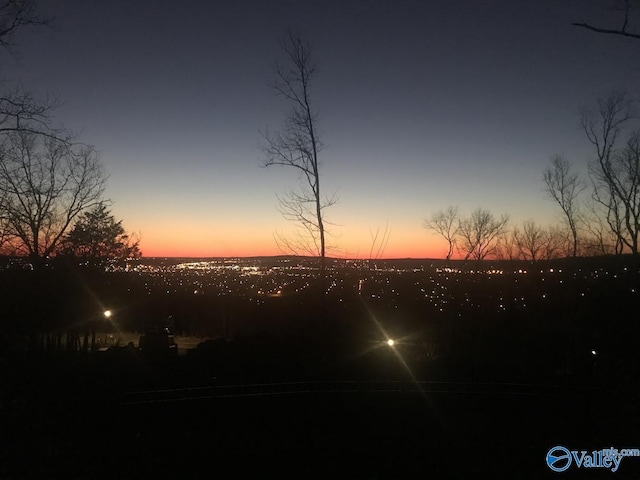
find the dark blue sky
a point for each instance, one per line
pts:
(422, 104)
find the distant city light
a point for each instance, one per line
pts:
(594, 353)
(107, 314)
(390, 342)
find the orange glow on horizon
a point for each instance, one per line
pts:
(184, 240)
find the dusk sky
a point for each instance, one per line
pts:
(422, 104)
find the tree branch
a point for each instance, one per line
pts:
(620, 32)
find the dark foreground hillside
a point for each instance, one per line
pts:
(487, 373)
(122, 418)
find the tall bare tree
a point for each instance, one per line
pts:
(626, 9)
(479, 233)
(45, 183)
(563, 185)
(616, 170)
(446, 224)
(297, 145)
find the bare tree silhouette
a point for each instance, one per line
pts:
(45, 184)
(556, 243)
(564, 187)
(601, 239)
(479, 233)
(14, 16)
(506, 247)
(446, 224)
(19, 110)
(378, 243)
(530, 241)
(616, 171)
(46, 178)
(624, 6)
(297, 145)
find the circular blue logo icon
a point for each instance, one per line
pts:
(558, 459)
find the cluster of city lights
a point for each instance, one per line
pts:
(444, 290)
